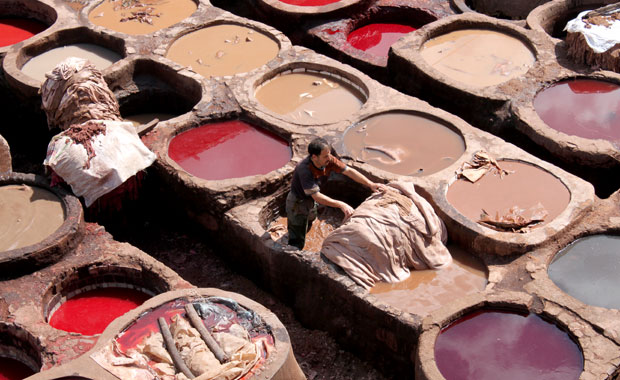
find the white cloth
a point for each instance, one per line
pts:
(119, 154)
(600, 38)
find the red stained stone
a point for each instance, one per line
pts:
(230, 149)
(14, 30)
(11, 369)
(376, 39)
(89, 313)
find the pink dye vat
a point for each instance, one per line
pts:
(89, 313)
(376, 39)
(14, 30)
(11, 369)
(309, 3)
(230, 149)
(491, 345)
(582, 107)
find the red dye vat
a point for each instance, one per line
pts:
(309, 3)
(14, 30)
(89, 313)
(11, 369)
(488, 345)
(582, 107)
(230, 149)
(376, 39)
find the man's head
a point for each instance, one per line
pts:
(319, 150)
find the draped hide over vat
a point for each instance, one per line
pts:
(387, 235)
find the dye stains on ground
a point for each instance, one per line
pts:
(14, 30)
(221, 50)
(478, 57)
(582, 107)
(328, 219)
(231, 149)
(101, 57)
(488, 345)
(140, 17)
(525, 188)
(90, 312)
(145, 118)
(588, 270)
(11, 369)
(428, 290)
(28, 215)
(376, 39)
(309, 3)
(403, 143)
(308, 98)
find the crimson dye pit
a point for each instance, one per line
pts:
(376, 39)
(11, 369)
(14, 30)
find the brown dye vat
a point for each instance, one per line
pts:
(478, 57)
(309, 97)
(428, 290)
(526, 187)
(222, 50)
(403, 143)
(512, 10)
(328, 219)
(28, 215)
(140, 17)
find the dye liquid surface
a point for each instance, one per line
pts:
(404, 144)
(90, 312)
(309, 98)
(376, 39)
(27, 215)
(14, 30)
(582, 107)
(588, 270)
(478, 57)
(231, 149)
(11, 369)
(493, 345)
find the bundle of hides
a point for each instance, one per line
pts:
(387, 235)
(75, 92)
(150, 359)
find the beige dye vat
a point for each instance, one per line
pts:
(28, 215)
(222, 50)
(428, 290)
(404, 143)
(309, 98)
(140, 17)
(99, 56)
(526, 187)
(478, 57)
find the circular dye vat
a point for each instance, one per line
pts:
(487, 345)
(230, 149)
(309, 3)
(581, 107)
(588, 270)
(90, 312)
(145, 118)
(428, 290)
(310, 97)
(376, 39)
(140, 16)
(526, 187)
(404, 143)
(14, 30)
(478, 57)
(28, 215)
(101, 57)
(12, 369)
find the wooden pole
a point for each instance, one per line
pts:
(205, 334)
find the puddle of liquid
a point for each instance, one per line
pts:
(376, 39)
(328, 219)
(428, 290)
(525, 188)
(588, 270)
(231, 149)
(90, 312)
(309, 98)
(223, 50)
(101, 57)
(404, 144)
(28, 215)
(582, 107)
(485, 344)
(14, 30)
(11, 369)
(123, 15)
(309, 3)
(145, 118)
(478, 57)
